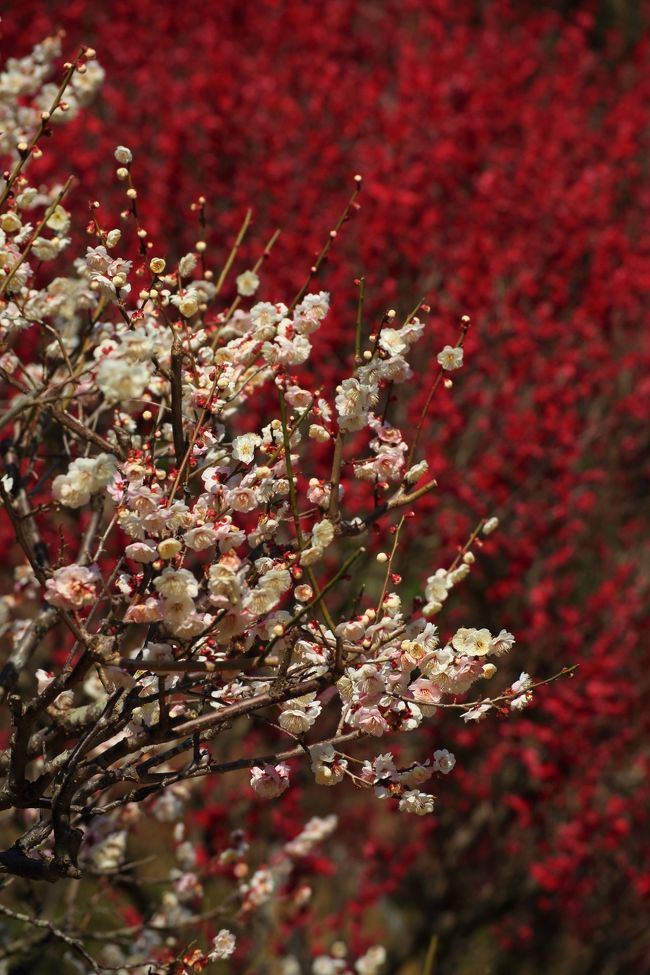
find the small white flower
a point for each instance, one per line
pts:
(477, 713)
(144, 551)
(297, 719)
(108, 853)
(270, 781)
(414, 801)
(201, 538)
(223, 945)
(415, 473)
(451, 357)
(264, 314)
(523, 684)
(58, 220)
(322, 752)
(521, 702)
(187, 303)
(443, 761)
(326, 965)
(247, 283)
(353, 402)
(392, 341)
(176, 584)
(243, 447)
(123, 155)
(322, 534)
(438, 586)
(471, 642)
(315, 305)
(72, 586)
(318, 433)
(186, 265)
(120, 380)
(502, 642)
(372, 961)
(490, 526)
(329, 775)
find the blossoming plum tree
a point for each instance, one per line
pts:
(181, 575)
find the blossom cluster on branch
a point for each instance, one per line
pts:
(182, 574)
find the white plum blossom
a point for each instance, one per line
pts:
(370, 720)
(201, 537)
(72, 586)
(329, 774)
(270, 589)
(318, 433)
(414, 801)
(189, 546)
(187, 302)
(270, 781)
(298, 716)
(144, 551)
(414, 473)
(243, 448)
(314, 305)
(85, 477)
(472, 642)
(326, 965)
(322, 752)
(476, 713)
(120, 380)
(321, 537)
(353, 403)
(315, 830)
(523, 683)
(443, 761)
(176, 583)
(298, 397)
(392, 341)
(264, 315)
(415, 775)
(490, 525)
(521, 702)
(223, 945)
(502, 643)
(123, 155)
(107, 855)
(436, 592)
(451, 357)
(247, 283)
(372, 961)
(328, 768)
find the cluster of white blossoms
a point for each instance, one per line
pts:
(188, 504)
(338, 962)
(201, 556)
(85, 476)
(26, 92)
(225, 528)
(358, 395)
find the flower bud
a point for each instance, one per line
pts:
(490, 525)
